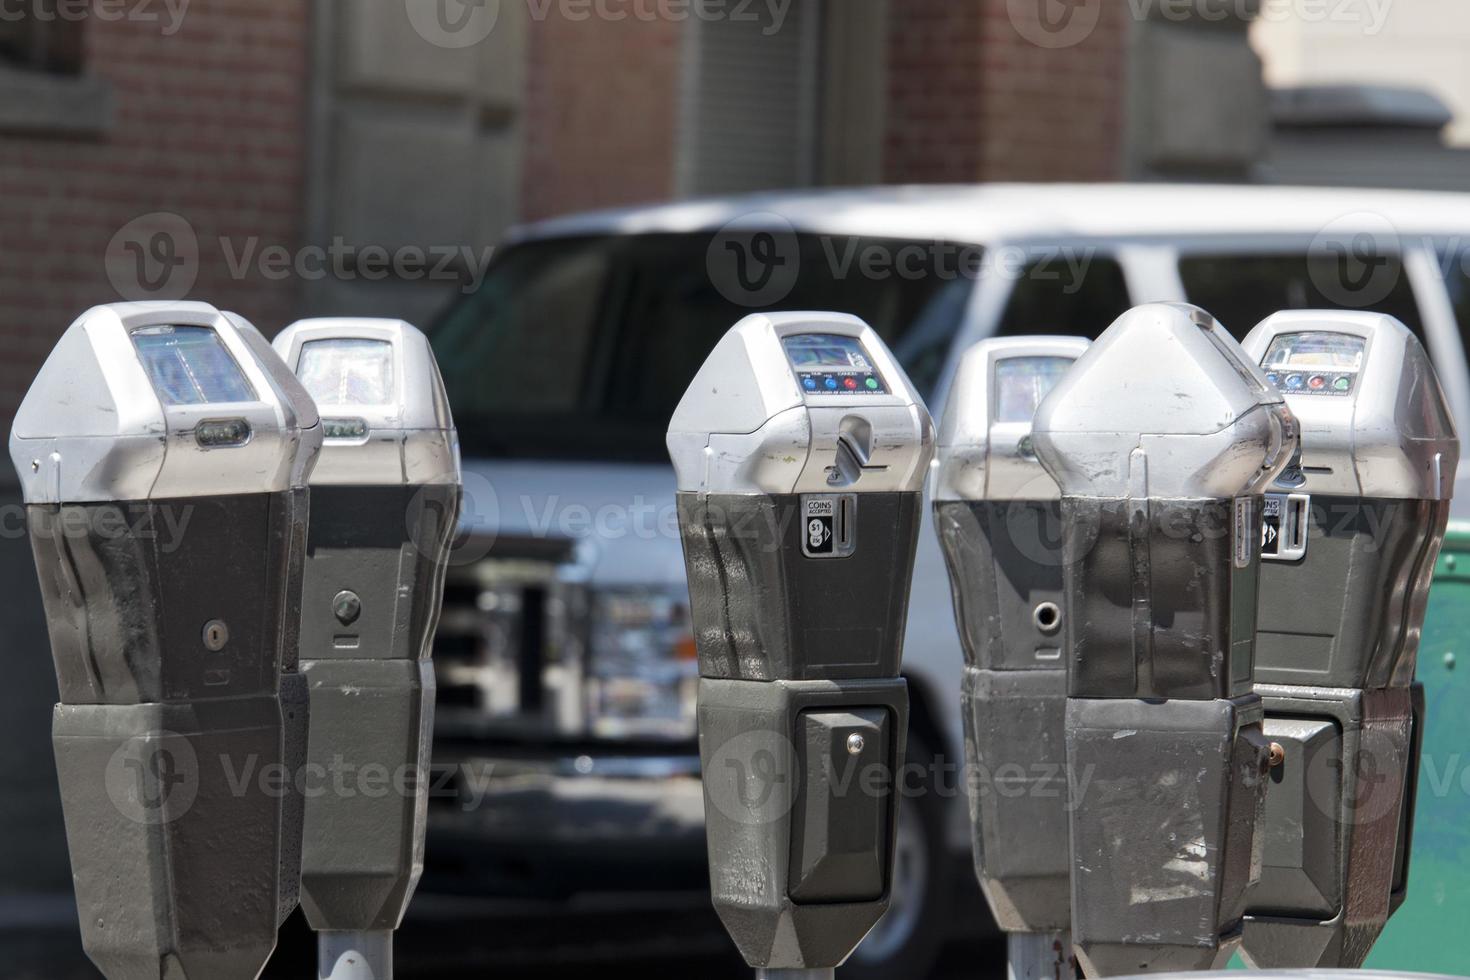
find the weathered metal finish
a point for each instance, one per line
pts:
(998, 519)
(800, 449)
(1339, 625)
(1162, 437)
(1040, 956)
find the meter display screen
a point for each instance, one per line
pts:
(190, 366)
(347, 372)
(1022, 382)
(1315, 363)
(830, 364)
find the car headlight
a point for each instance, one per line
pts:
(642, 672)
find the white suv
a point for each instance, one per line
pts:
(566, 667)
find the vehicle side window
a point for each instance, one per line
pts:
(526, 337)
(1456, 268)
(1066, 298)
(1241, 290)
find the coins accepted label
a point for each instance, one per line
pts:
(827, 525)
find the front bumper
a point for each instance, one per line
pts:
(511, 824)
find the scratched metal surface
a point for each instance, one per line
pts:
(1428, 933)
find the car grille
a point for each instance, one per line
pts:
(510, 652)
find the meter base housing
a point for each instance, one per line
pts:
(1348, 613)
(145, 790)
(389, 546)
(129, 586)
(1164, 830)
(1159, 603)
(1015, 744)
(364, 840)
(1005, 569)
(764, 610)
(800, 843)
(1337, 835)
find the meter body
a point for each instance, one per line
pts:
(1352, 533)
(384, 505)
(163, 452)
(801, 451)
(998, 516)
(1162, 437)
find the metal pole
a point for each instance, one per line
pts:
(355, 955)
(1041, 956)
(827, 974)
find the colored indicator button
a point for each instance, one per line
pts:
(1274, 378)
(872, 384)
(1294, 381)
(1317, 383)
(1342, 384)
(850, 384)
(831, 384)
(810, 384)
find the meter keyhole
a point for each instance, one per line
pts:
(216, 635)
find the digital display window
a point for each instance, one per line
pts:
(1022, 382)
(1315, 363)
(831, 364)
(347, 371)
(190, 366)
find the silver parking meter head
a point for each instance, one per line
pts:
(385, 503)
(985, 448)
(998, 516)
(1351, 538)
(158, 401)
(801, 451)
(800, 403)
(1162, 437)
(385, 415)
(163, 451)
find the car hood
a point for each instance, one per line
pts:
(620, 517)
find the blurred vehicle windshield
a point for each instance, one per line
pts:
(581, 348)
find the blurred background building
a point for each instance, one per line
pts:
(272, 155)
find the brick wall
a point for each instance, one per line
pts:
(983, 90)
(209, 125)
(934, 93)
(601, 113)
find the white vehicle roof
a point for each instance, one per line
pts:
(982, 213)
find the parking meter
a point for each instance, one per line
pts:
(163, 452)
(1162, 438)
(384, 504)
(801, 451)
(1352, 534)
(997, 513)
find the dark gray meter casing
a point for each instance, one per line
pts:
(998, 516)
(384, 507)
(1344, 585)
(163, 452)
(1162, 437)
(801, 451)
